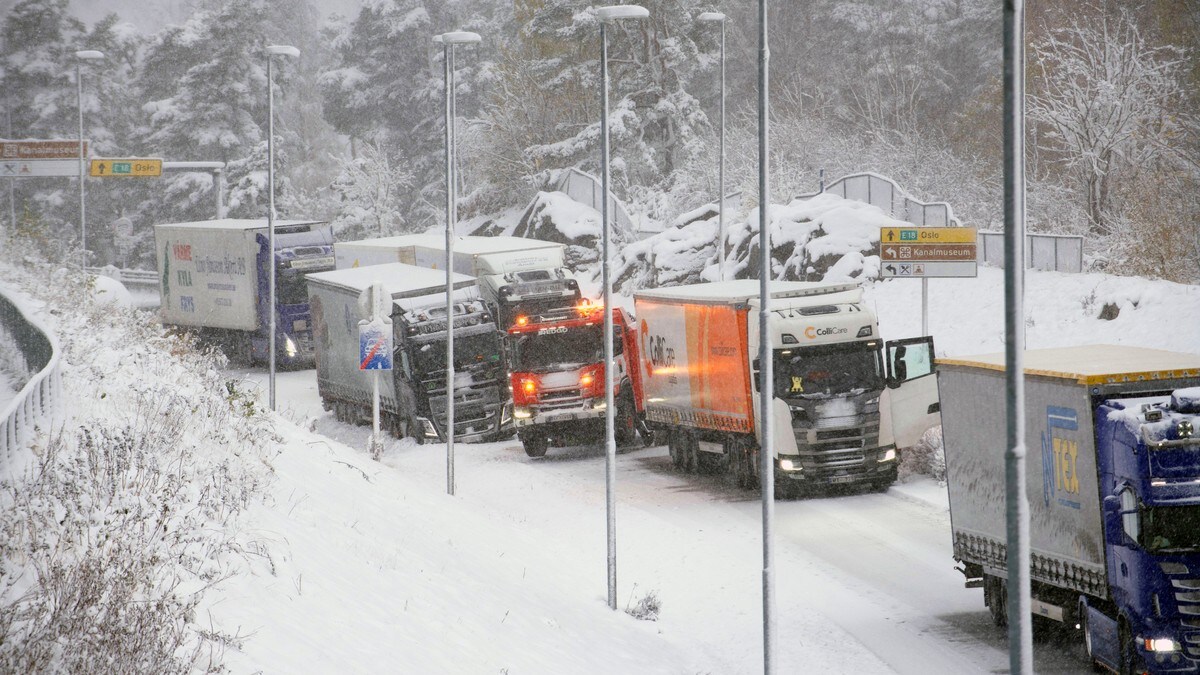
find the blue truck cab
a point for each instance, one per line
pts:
(1149, 459)
(300, 249)
(1112, 488)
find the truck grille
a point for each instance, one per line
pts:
(563, 394)
(1191, 645)
(826, 450)
(1187, 599)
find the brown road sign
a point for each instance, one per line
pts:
(41, 149)
(923, 252)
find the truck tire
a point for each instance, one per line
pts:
(625, 422)
(675, 449)
(535, 445)
(687, 444)
(743, 460)
(1089, 650)
(1130, 662)
(995, 596)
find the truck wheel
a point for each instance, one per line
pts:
(626, 431)
(687, 456)
(535, 445)
(675, 449)
(881, 485)
(1089, 650)
(1130, 662)
(995, 596)
(752, 455)
(737, 463)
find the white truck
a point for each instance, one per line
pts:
(214, 280)
(413, 398)
(517, 276)
(839, 414)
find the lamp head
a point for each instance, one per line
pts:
(711, 16)
(283, 50)
(618, 12)
(89, 55)
(457, 37)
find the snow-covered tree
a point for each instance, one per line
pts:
(545, 105)
(369, 187)
(1103, 95)
(40, 38)
(384, 89)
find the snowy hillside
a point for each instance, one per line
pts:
(292, 551)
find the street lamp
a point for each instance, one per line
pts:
(448, 42)
(608, 15)
(272, 51)
(765, 353)
(80, 57)
(717, 17)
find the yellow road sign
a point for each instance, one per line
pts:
(132, 167)
(927, 235)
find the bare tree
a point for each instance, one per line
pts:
(1102, 97)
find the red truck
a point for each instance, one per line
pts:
(556, 362)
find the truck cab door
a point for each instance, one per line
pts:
(912, 391)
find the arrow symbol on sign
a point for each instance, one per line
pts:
(889, 252)
(101, 168)
(891, 235)
(890, 268)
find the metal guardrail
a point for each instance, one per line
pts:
(1050, 252)
(883, 192)
(127, 277)
(39, 397)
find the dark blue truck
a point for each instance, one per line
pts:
(1113, 483)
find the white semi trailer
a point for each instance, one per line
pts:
(413, 398)
(214, 278)
(517, 276)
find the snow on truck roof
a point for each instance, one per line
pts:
(746, 290)
(399, 279)
(240, 224)
(472, 245)
(1092, 364)
(399, 241)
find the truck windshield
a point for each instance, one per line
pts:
(430, 357)
(1171, 528)
(290, 288)
(828, 370)
(541, 352)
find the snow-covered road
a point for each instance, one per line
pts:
(865, 582)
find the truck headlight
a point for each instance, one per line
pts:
(1161, 645)
(521, 413)
(427, 428)
(789, 465)
(289, 347)
(600, 405)
(888, 455)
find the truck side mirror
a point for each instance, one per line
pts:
(1114, 531)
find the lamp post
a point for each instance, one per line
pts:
(272, 51)
(448, 42)
(717, 17)
(80, 57)
(609, 15)
(766, 349)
